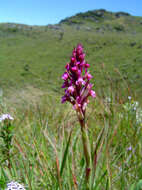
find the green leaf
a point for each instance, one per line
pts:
(137, 186)
(10, 128)
(65, 155)
(2, 183)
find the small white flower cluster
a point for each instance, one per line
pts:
(4, 117)
(135, 105)
(131, 106)
(14, 186)
(129, 148)
(129, 97)
(108, 100)
(134, 108)
(139, 116)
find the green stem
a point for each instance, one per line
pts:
(86, 148)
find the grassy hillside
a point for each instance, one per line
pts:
(42, 147)
(34, 56)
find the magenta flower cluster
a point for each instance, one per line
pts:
(77, 81)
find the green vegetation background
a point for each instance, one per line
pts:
(35, 56)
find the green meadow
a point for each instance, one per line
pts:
(46, 152)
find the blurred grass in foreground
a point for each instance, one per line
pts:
(40, 156)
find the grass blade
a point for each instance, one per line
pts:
(65, 155)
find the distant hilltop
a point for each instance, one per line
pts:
(98, 20)
(95, 15)
(102, 20)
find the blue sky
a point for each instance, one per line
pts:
(43, 12)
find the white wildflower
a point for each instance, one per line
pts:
(134, 108)
(108, 99)
(129, 148)
(129, 97)
(3, 117)
(135, 105)
(14, 186)
(139, 116)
